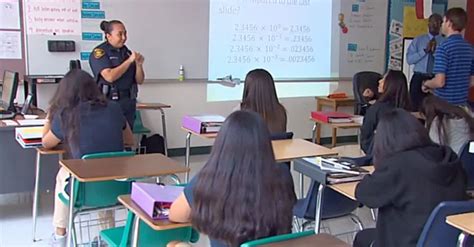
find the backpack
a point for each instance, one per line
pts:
(153, 144)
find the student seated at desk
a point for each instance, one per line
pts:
(394, 94)
(80, 116)
(412, 176)
(241, 194)
(447, 124)
(260, 96)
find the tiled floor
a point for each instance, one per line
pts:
(16, 223)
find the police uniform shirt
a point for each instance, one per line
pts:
(106, 56)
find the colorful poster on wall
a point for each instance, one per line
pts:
(412, 25)
(53, 17)
(396, 45)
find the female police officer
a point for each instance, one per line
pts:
(117, 69)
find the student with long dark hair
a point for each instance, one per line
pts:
(241, 194)
(260, 96)
(81, 117)
(448, 124)
(394, 94)
(412, 176)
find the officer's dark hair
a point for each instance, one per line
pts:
(108, 26)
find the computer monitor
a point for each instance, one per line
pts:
(9, 89)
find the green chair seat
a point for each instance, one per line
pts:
(112, 236)
(121, 236)
(276, 239)
(138, 127)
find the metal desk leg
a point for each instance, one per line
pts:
(358, 136)
(317, 214)
(71, 214)
(313, 133)
(136, 226)
(301, 186)
(188, 153)
(163, 124)
(36, 194)
(462, 239)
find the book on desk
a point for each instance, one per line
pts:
(332, 117)
(338, 170)
(203, 124)
(29, 137)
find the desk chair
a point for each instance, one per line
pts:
(139, 129)
(467, 160)
(300, 239)
(95, 196)
(334, 205)
(436, 232)
(120, 236)
(360, 82)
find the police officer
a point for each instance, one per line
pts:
(117, 69)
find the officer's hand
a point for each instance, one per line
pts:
(140, 59)
(133, 57)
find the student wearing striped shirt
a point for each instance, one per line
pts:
(454, 61)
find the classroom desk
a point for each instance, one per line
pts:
(334, 104)
(463, 222)
(17, 171)
(156, 225)
(285, 150)
(40, 152)
(317, 126)
(348, 189)
(312, 171)
(94, 170)
(321, 239)
(160, 107)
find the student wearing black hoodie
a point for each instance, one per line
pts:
(412, 176)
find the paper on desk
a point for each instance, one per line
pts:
(10, 123)
(30, 122)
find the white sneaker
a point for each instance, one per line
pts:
(58, 241)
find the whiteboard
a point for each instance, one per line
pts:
(170, 33)
(363, 47)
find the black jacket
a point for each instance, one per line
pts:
(406, 187)
(371, 119)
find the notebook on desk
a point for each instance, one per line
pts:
(337, 170)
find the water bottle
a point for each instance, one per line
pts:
(181, 73)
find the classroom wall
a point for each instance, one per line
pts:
(457, 3)
(470, 22)
(190, 98)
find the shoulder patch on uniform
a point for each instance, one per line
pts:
(98, 52)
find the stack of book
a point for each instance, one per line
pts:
(338, 170)
(203, 124)
(331, 117)
(29, 137)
